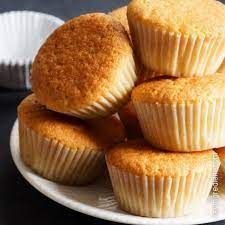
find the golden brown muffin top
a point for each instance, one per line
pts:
(192, 17)
(80, 61)
(121, 15)
(221, 152)
(97, 134)
(178, 90)
(138, 157)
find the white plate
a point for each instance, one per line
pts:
(97, 200)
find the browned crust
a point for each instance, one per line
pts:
(196, 17)
(179, 90)
(96, 134)
(79, 62)
(138, 157)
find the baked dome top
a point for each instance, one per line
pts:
(97, 134)
(138, 157)
(178, 90)
(201, 17)
(80, 61)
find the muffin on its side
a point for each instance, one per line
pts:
(221, 174)
(152, 183)
(64, 149)
(121, 15)
(128, 116)
(171, 37)
(183, 114)
(85, 68)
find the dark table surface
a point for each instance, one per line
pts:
(19, 202)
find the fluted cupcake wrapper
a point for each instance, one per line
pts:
(57, 162)
(183, 127)
(22, 33)
(177, 54)
(15, 76)
(114, 98)
(163, 197)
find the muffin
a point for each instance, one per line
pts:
(62, 148)
(120, 14)
(152, 183)
(171, 37)
(128, 116)
(85, 68)
(183, 114)
(221, 174)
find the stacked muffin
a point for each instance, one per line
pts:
(82, 74)
(62, 148)
(182, 113)
(86, 71)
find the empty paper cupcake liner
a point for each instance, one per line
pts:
(57, 162)
(183, 127)
(112, 100)
(176, 54)
(22, 34)
(162, 197)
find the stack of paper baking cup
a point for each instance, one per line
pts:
(22, 33)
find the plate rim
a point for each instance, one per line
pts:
(91, 210)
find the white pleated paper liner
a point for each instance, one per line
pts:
(22, 33)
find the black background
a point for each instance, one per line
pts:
(19, 202)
